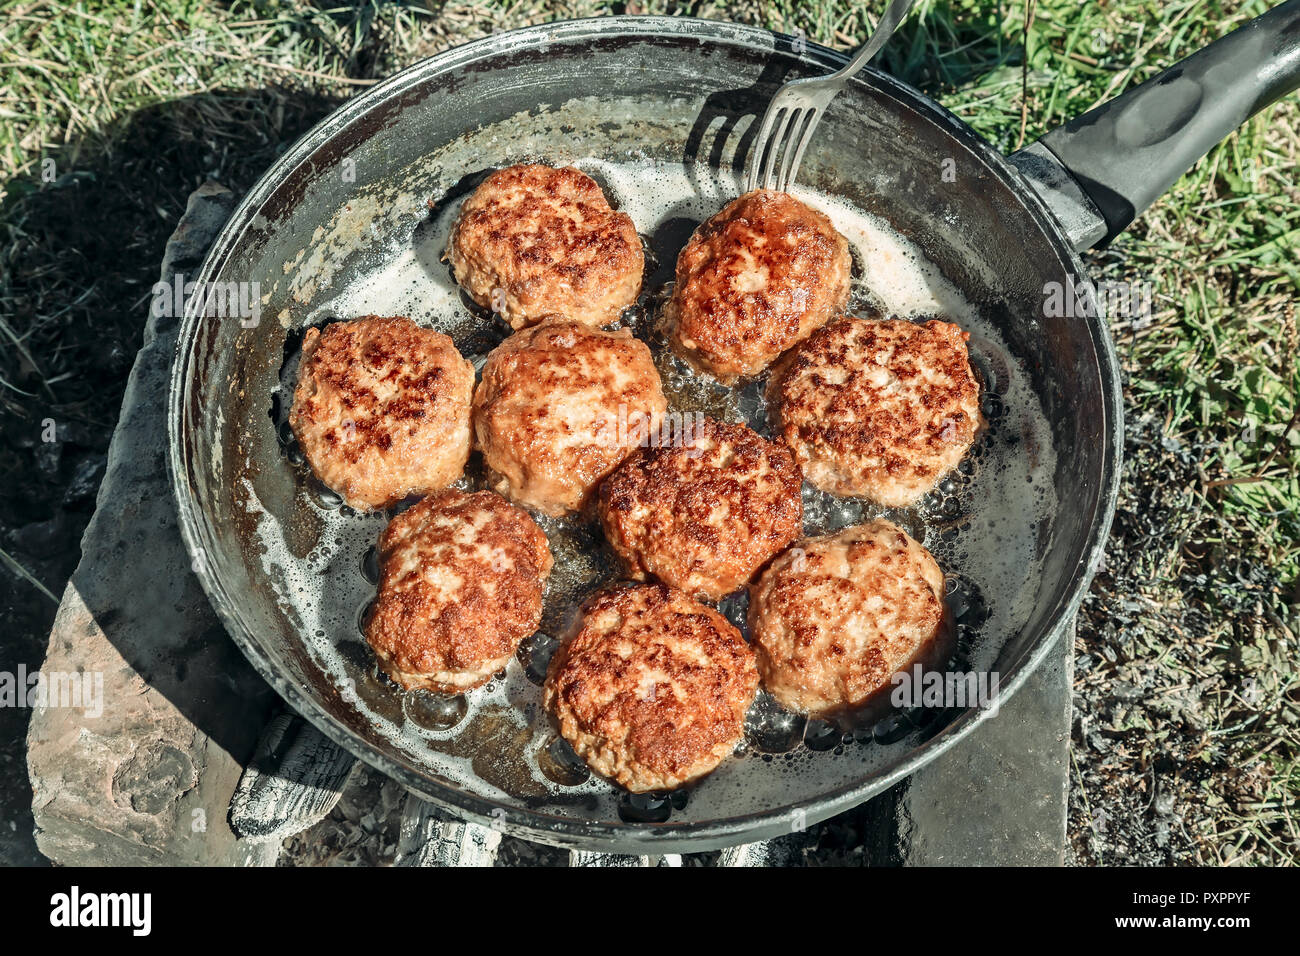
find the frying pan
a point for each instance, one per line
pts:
(284, 572)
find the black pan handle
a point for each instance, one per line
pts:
(1127, 152)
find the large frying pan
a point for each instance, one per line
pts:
(666, 89)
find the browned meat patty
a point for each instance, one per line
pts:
(835, 617)
(706, 514)
(558, 409)
(382, 409)
(652, 690)
(881, 409)
(533, 242)
(754, 281)
(461, 578)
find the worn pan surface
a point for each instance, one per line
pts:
(286, 573)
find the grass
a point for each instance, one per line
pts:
(110, 113)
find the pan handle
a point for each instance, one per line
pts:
(1123, 155)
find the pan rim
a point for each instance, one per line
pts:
(637, 837)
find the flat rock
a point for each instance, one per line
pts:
(148, 780)
(997, 797)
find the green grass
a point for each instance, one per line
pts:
(137, 102)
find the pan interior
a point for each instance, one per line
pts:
(354, 222)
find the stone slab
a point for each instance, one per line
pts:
(998, 797)
(148, 780)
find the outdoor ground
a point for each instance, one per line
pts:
(1187, 725)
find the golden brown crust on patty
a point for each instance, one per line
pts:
(881, 409)
(754, 281)
(381, 409)
(652, 690)
(460, 586)
(556, 410)
(533, 242)
(835, 617)
(704, 515)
